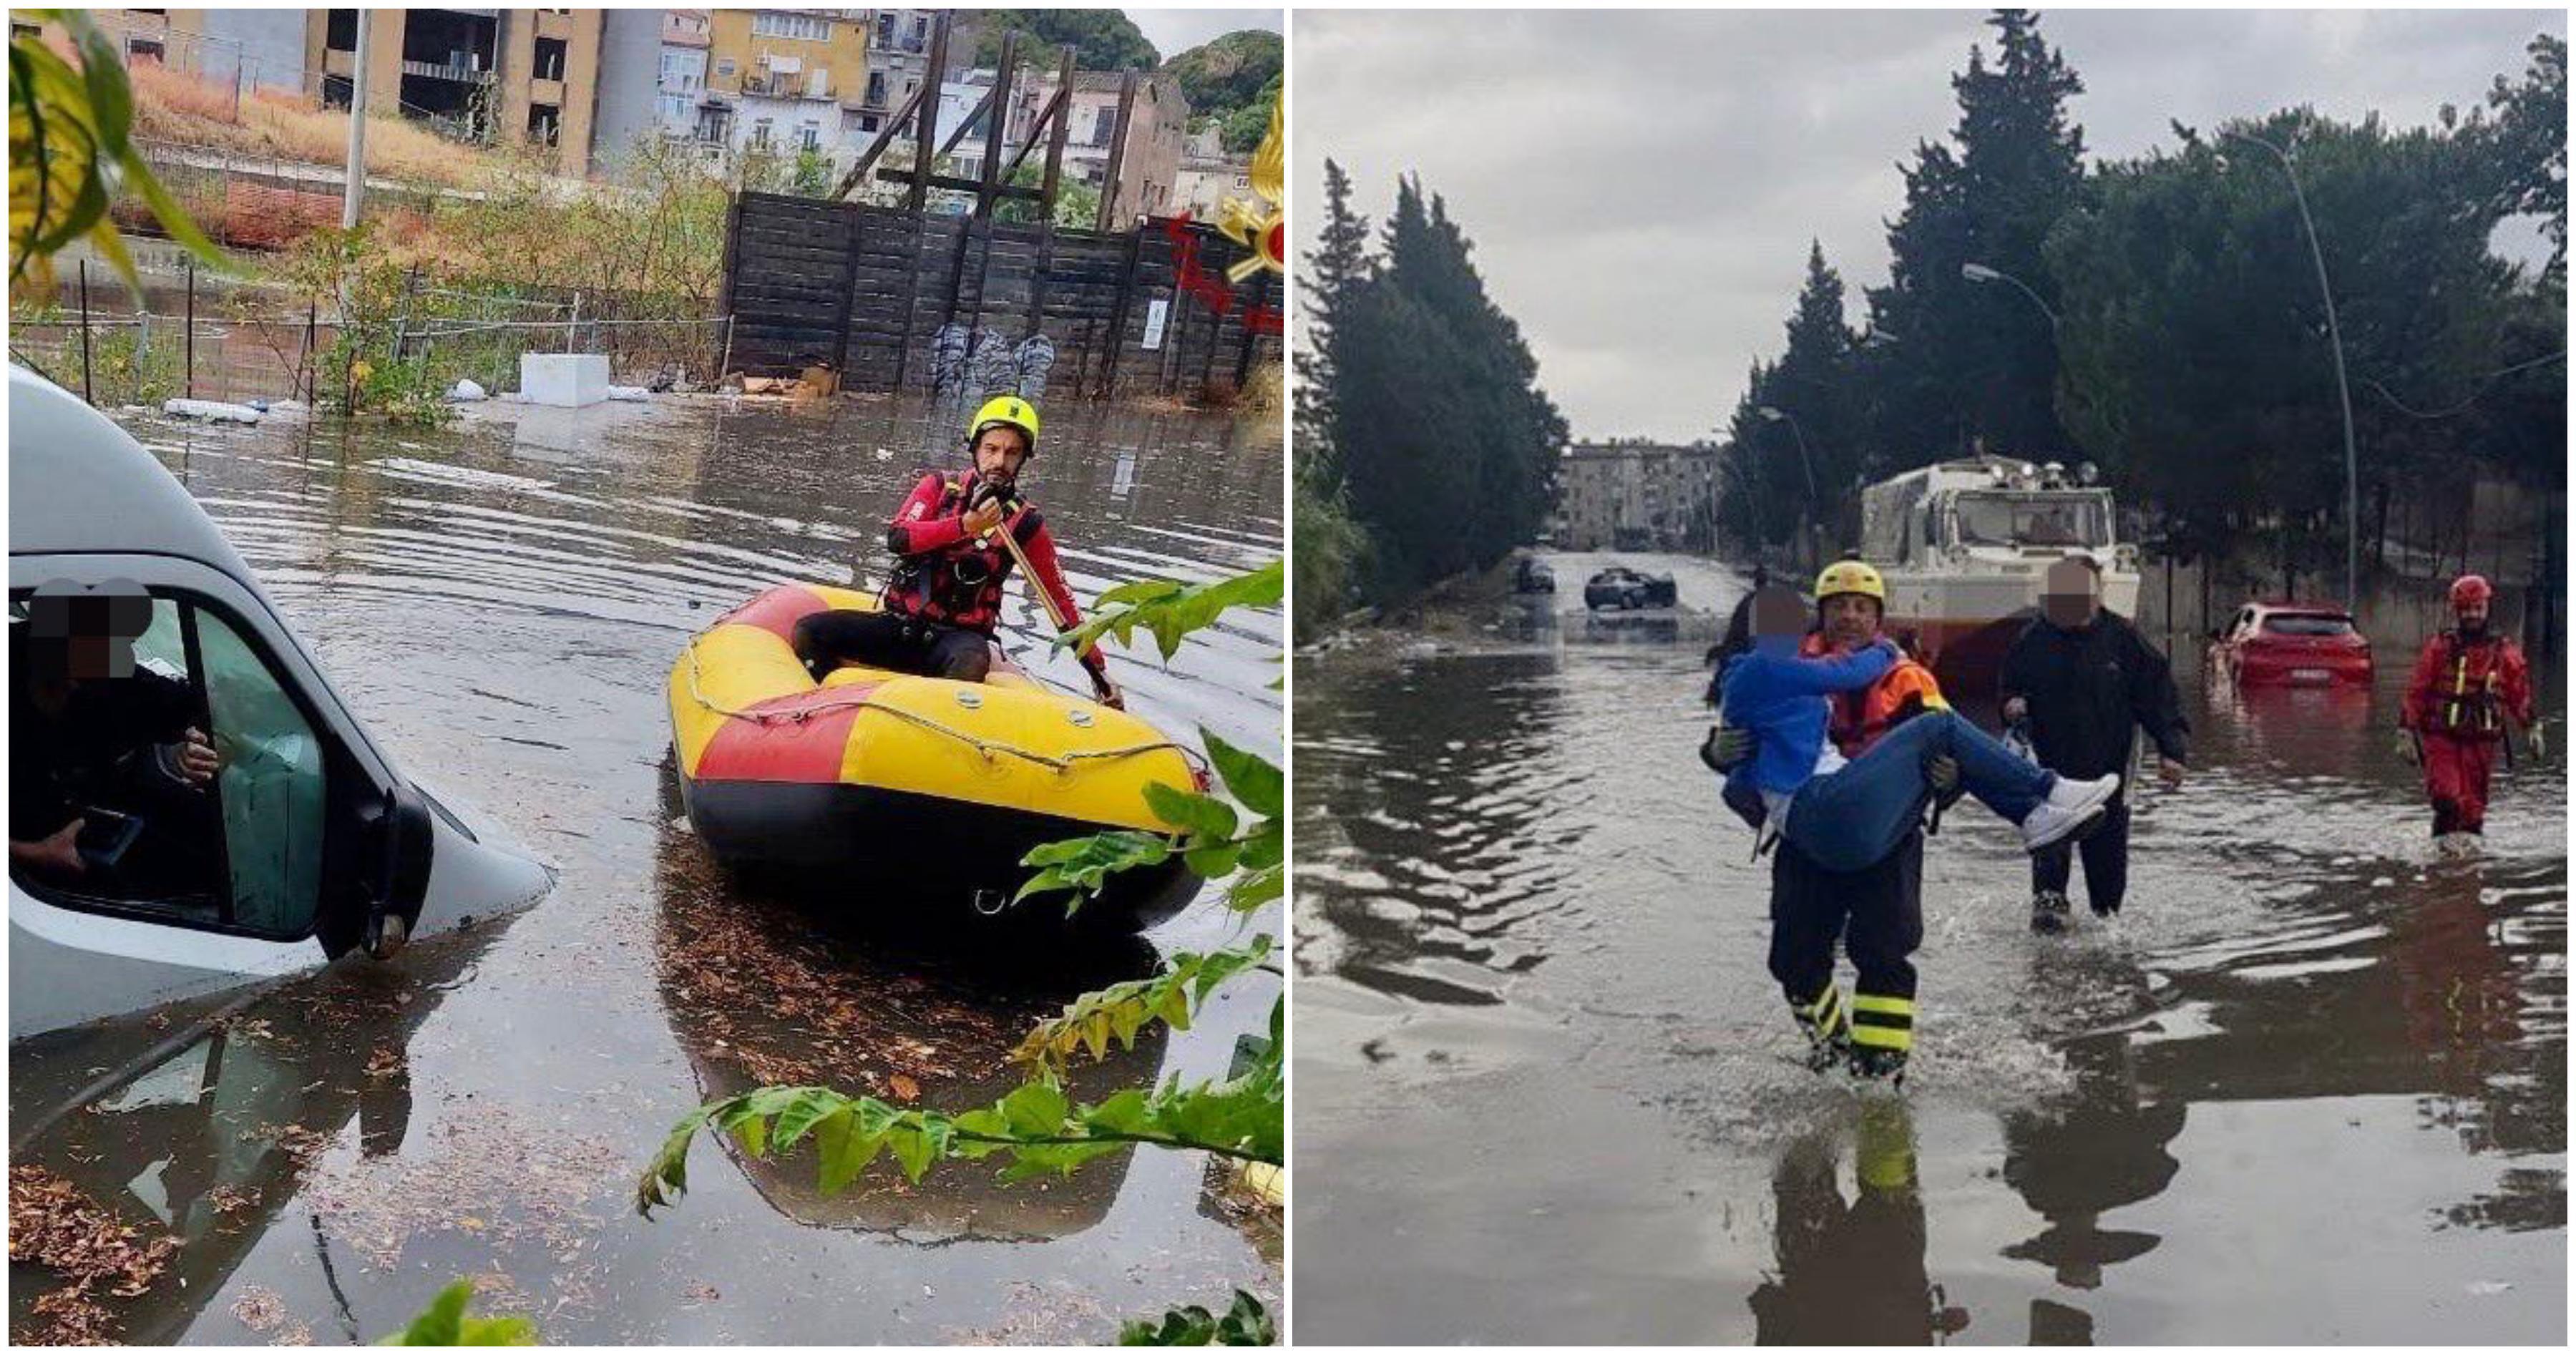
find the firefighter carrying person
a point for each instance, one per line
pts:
(1876, 912)
(938, 612)
(2469, 681)
(2086, 681)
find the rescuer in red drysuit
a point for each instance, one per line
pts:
(938, 611)
(2469, 683)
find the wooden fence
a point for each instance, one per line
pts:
(886, 298)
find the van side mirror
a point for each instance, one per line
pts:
(395, 833)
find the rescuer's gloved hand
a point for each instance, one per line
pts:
(1942, 771)
(1725, 747)
(2406, 747)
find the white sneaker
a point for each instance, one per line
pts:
(2071, 807)
(2070, 793)
(2049, 825)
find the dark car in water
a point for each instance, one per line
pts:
(1625, 589)
(2292, 644)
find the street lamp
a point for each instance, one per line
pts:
(1979, 273)
(1773, 414)
(2343, 391)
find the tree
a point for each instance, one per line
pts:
(1225, 76)
(1101, 39)
(1242, 129)
(1446, 447)
(2198, 368)
(2528, 137)
(1802, 466)
(1981, 359)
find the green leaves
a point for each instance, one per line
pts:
(444, 1323)
(1091, 1021)
(1245, 1324)
(1170, 611)
(1080, 864)
(70, 151)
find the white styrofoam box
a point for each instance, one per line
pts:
(571, 380)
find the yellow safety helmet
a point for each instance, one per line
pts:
(1005, 411)
(1851, 576)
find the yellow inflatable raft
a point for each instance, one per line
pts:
(910, 790)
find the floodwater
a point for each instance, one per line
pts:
(2310, 1087)
(501, 602)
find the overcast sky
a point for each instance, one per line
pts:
(1174, 31)
(1641, 185)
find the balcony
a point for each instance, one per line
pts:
(463, 75)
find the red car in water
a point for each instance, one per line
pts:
(2288, 644)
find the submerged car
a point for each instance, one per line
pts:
(193, 808)
(1626, 589)
(2292, 644)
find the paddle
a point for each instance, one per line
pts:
(1109, 693)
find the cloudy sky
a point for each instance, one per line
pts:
(1641, 185)
(1174, 31)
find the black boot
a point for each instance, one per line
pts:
(2048, 910)
(1887, 1065)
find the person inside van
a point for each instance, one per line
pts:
(108, 767)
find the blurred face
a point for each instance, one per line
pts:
(2073, 595)
(1779, 620)
(1851, 620)
(999, 454)
(2473, 615)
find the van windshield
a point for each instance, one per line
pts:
(2033, 520)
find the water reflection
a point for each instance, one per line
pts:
(2075, 1164)
(1849, 1270)
(1458, 808)
(766, 989)
(215, 1140)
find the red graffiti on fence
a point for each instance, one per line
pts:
(1194, 278)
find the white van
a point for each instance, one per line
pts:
(306, 844)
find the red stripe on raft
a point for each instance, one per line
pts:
(807, 751)
(777, 611)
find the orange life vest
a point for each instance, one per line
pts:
(1860, 718)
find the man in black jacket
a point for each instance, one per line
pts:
(2086, 680)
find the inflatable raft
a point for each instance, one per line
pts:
(910, 792)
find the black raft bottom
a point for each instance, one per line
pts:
(916, 859)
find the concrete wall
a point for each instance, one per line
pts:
(262, 47)
(630, 74)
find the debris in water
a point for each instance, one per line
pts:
(2488, 1288)
(2383, 882)
(52, 1224)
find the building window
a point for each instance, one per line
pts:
(550, 58)
(876, 90)
(1103, 121)
(810, 136)
(801, 27)
(143, 49)
(885, 29)
(340, 30)
(724, 67)
(711, 124)
(760, 132)
(544, 122)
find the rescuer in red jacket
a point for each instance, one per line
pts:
(2469, 682)
(938, 611)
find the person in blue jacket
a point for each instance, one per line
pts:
(1847, 814)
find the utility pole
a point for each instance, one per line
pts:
(357, 185)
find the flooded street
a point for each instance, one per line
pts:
(2310, 1087)
(501, 602)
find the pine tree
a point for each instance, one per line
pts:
(1969, 360)
(1333, 271)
